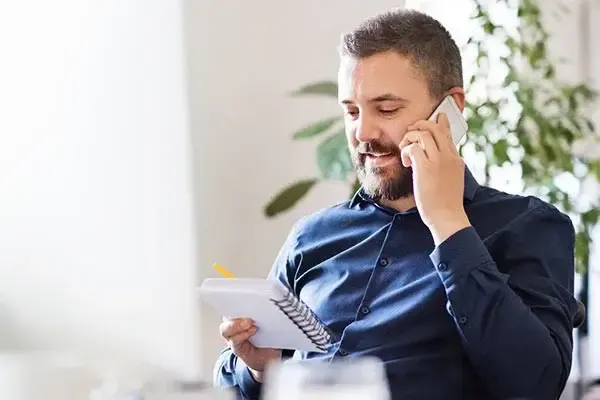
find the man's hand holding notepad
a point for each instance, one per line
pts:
(237, 333)
(282, 320)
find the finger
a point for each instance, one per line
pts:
(445, 121)
(442, 119)
(413, 156)
(440, 132)
(424, 139)
(424, 125)
(241, 337)
(232, 327)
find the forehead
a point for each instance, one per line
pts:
(388, 72)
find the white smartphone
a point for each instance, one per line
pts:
(458, 123)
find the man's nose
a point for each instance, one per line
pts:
(366, 129)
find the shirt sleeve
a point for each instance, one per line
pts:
(232, 373)
(516, 325)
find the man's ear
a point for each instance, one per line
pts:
(458, 94)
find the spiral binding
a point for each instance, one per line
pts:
(303, 317)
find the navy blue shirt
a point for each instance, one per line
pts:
(487, 314)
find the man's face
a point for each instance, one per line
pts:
(382, 95)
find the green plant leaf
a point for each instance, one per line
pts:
(489, 27)
(582, 249)
(590, 217)
(326, 88)
(475, 123)
(500, 149)
(315, 128)
(537, 53)
(289, 196)
(594, 167)
(590, 125)
(333, 157)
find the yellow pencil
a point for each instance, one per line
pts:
(222, 270)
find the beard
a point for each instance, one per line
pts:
(391, 182)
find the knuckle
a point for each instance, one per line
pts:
(228, 330)
(414, 137)
(239, 339)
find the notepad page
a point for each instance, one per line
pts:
(251, 298)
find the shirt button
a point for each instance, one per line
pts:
(383, 262)
(364, 310)
(463, 320)
(442, 267)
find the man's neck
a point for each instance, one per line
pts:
(401, 205)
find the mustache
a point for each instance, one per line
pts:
(375, 146)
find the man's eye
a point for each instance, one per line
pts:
(352, 113)
(389, 111)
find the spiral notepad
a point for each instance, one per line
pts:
(283, 320)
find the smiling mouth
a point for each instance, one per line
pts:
(376, 154)
(379, 160)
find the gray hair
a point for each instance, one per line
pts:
(412, 34)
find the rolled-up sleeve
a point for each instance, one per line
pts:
(514, 310)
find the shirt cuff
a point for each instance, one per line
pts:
(249, 386)
(460, 254)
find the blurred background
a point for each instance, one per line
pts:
(141, 141)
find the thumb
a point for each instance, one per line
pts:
(445, 122)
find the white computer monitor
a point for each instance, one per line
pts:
(97, 219)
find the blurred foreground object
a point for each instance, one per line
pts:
(37, 376)
(98, 245)
(116, 390)
(353, 379)
(593, 392)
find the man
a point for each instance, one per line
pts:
(462, 291)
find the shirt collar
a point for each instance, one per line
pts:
(471, 187)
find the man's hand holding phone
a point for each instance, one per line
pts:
(438, 176)
(237, 334)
